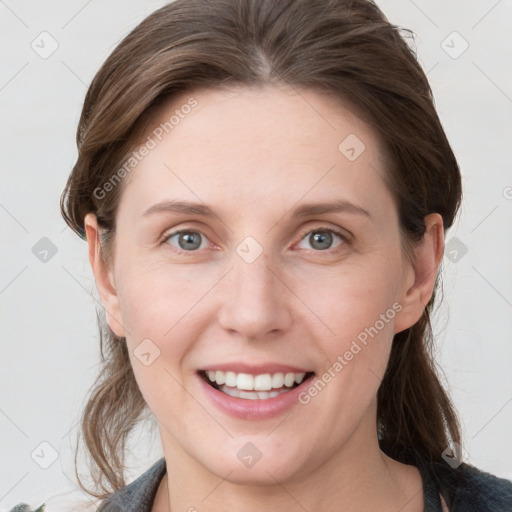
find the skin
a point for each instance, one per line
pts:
(253, 155)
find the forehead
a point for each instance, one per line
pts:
(252, 144)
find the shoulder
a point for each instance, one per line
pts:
(469, 489)
(137, 496)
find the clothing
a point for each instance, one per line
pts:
(139, 495)
(465, 489)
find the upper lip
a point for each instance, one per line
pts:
(255, 369)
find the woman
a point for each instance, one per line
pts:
(265, 188)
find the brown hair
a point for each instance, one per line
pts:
(345, 48)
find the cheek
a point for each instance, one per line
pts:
(155, 298)
(356, 311)
(355, 354)
(161, 310)
(157, 311)
(350, 299)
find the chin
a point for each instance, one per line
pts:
(243, 463)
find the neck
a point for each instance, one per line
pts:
(357, 477)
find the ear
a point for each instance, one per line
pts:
(103, 276)
(419, 280)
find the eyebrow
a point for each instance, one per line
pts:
(305, 210)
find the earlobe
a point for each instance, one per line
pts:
(419, 282)
(103, 276)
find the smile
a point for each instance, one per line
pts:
(254, 387)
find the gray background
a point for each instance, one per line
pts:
(49, 351)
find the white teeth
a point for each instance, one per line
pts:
(251, 395)
(248, 382)
(277, 380)
(220, 378)
(230, 379)
(245, 381)
(263, 382)
(299, 377)
(289, 380)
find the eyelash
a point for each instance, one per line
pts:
(326, 229)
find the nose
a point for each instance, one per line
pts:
(256, 301)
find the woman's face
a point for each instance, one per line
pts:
(257, 288)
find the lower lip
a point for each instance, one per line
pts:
(253, 409)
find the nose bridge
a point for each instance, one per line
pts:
(254, 302)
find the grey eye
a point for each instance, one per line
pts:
(322, 239)
(187, 240)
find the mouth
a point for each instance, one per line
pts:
(254, 387)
